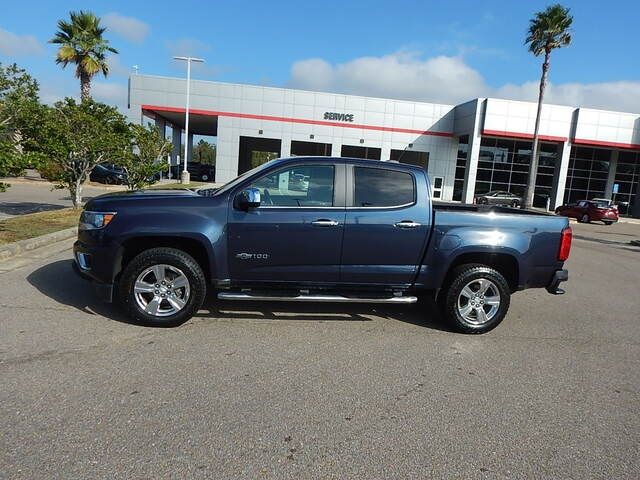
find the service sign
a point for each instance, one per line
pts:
(341, 117)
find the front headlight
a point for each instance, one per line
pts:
(95, 220)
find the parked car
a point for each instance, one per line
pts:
(586, 211)
(499, 197)
(198, 171)
(360, 231)
(109, 174)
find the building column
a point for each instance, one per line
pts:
(176, 139)
(611, 178)
(560, 175)
(190, 144)
(471, 170)
(336, 149)
(385, 153)
(285, 148)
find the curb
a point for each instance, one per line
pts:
(16, 248)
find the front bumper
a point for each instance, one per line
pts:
(97, 264)
(559, 276)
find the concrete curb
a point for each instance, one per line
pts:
(16, 248)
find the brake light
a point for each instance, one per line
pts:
(565, 244)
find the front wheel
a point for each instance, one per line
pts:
(585, 219)
(162, 287)
(477, 298)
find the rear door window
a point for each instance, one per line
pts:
(379, 187)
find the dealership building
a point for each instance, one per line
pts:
(477, 146)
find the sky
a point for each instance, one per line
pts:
(441, 52)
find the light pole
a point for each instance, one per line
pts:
(185, 174)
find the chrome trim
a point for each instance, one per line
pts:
(315, 298)
(82, 262)
(407, 224)
(325, 223)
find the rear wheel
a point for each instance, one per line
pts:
(477, 298)
(585, 218)
(162, 287)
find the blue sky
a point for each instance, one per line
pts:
(433, 51)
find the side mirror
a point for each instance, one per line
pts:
(247, 199)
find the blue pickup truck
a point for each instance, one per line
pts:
(316, 229)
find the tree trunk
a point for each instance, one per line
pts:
(85, 86)
(527, 201)
(75, 189)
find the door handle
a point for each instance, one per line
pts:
(325, 222)
(407, 224)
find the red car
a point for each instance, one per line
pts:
(590, 210)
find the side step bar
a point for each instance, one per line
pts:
(315, 298)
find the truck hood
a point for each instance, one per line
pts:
(139, 198)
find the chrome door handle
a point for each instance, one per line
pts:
(406, 224)
(325, 222)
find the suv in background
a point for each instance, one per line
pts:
(109, 174)
(199, 172)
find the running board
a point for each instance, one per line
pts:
(315, 298)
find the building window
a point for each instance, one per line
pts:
(461, 166)
(503, 164)
(587, 174)
(627, 177)
(411, 157)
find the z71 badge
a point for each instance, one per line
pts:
(252, 256)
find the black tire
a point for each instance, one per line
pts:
(461, 277)
(584, 219)
(162, 256)
(204, 177)
(607, 223)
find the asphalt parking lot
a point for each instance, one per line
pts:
(317, 391)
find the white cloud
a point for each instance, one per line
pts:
(15, 45)
(448, 79)
(187, 47)
(129, 28)
(111, 93)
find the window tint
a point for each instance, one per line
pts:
(376, 187)
(299, 186)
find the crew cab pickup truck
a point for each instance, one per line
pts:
(352, 231)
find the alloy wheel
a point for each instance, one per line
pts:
(161, 290)
(479, 301)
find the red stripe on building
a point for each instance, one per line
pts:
(270, 118)
(598, 143)
(526, 136)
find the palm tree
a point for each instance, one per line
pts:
(548, 30)
(81, 43)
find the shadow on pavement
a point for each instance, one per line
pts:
(22, 208)
(62, 284)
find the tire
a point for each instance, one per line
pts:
(607, 223)
(585, 219)
(456, 302)
(167, 305)
(204, 177)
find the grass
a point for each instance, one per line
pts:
(36, 224)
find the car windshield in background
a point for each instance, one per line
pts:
(601, 204)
